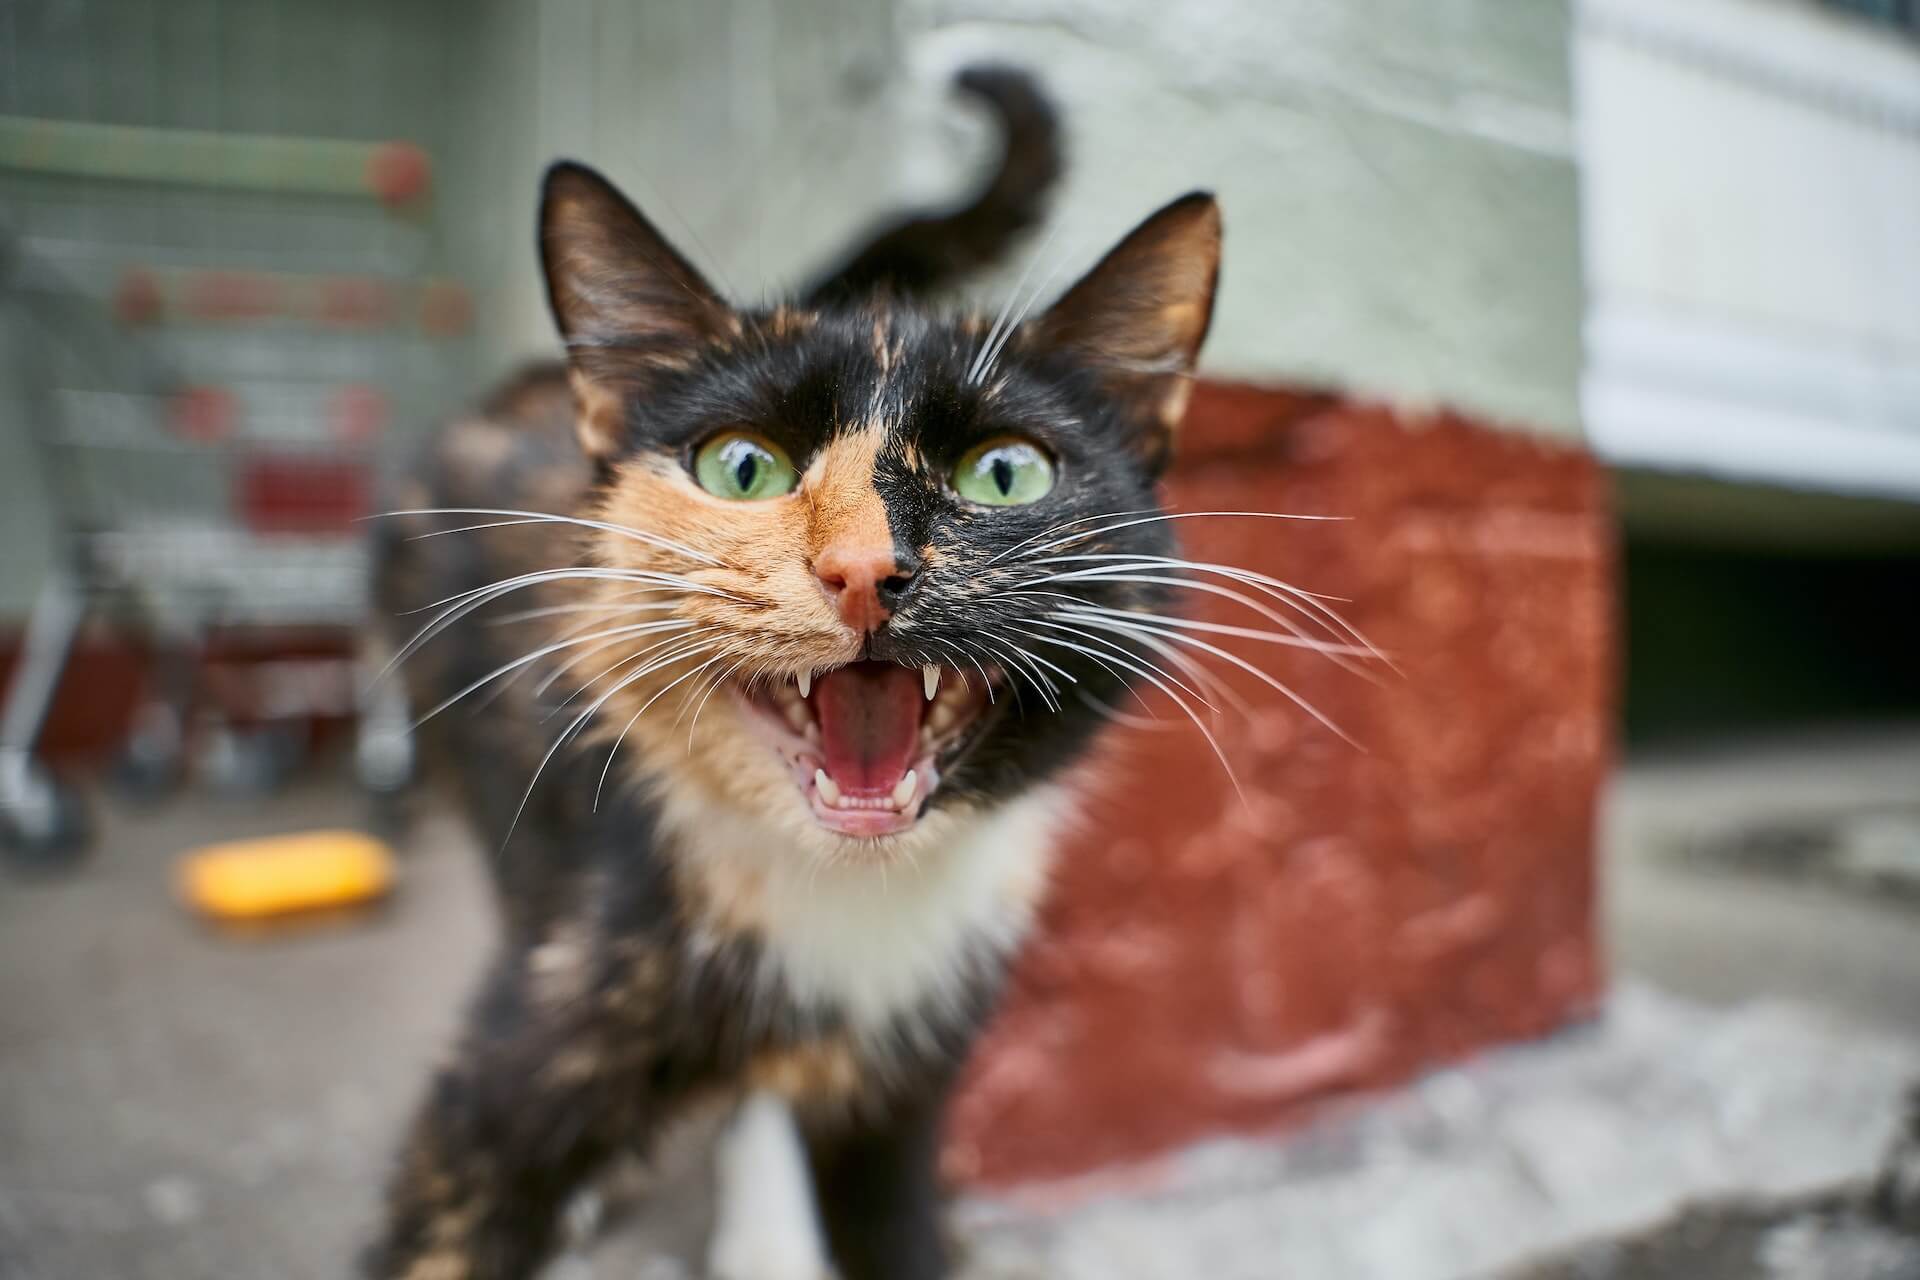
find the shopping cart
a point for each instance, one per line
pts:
(219, 337)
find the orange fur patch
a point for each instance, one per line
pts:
(817, 1073)
(769, 618)
(847, 508)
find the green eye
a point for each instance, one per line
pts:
(743, 467)
(1003, 473)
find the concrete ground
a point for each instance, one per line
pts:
(1678, 920)
(175, 1105)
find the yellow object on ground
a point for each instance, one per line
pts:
(281, 875)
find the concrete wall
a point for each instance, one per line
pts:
(758, 135)
(1397, 175)
(1753, 250)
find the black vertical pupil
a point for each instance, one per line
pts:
(1003, 475)
(746, 469)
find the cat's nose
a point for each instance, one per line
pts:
(865, 583)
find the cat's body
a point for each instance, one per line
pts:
(793, 705)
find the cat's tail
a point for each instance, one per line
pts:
(924, 252)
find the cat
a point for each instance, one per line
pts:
(818, 619)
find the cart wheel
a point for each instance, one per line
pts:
(153, 762)
(44, 824)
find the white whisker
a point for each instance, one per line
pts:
(1026, 308)
(981, 359)
(1291, 640)
(468, 601)
(1192, 715)
(566, 735)
(1307, 602)
(1147, 722)
(1119, 573)
(1272, 683)
(556, 610)
(548, 517)
(1177, 515)
(1065, 524)
(633, 629)
(1104, 665)
(1022, 661)
(583, 573)
(658, 694)
(553, 677)
(492, 695)
(1131, 660)
(1208, 686)
(960, 647)
(713, 685)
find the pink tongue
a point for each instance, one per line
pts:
(869, 715)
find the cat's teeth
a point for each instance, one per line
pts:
(829, 791)
(805, 681)
(942, 718)
(903, 793)
(930, 680)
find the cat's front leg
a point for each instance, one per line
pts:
(539, 1096)
(879, 1193)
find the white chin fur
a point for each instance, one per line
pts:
(765, 1227)
(876, 937)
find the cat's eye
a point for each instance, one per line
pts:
(744, 467)
(1004, 473)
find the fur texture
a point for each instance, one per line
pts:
(623, 666)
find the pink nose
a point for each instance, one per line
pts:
(865, 583)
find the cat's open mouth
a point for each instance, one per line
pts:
(867, 742)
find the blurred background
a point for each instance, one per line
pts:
(1600, 318)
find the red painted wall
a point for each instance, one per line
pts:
(1209, 966)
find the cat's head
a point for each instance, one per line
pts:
(880, 536)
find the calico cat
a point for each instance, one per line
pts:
(819, 620)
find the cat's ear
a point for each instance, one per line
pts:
(1138, 318)
(627, 304)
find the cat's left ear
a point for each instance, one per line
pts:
(628, 306)
(1138, 318)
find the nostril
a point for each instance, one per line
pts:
(894, 588)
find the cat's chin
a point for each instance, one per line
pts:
(868, 743)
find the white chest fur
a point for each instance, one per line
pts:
(876, 942)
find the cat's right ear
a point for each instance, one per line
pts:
(628, 306)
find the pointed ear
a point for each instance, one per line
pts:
(628, 306)
(1139, 317)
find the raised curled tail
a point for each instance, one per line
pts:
(927, 251)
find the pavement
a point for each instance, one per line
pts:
(176, 1104)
